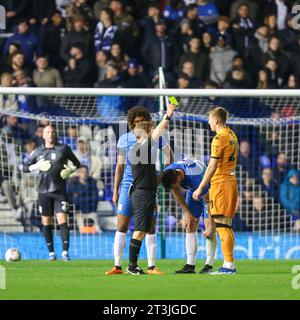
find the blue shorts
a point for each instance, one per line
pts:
(197, 208)
(124, 203)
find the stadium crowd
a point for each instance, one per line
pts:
(120, 44)
(114, 43)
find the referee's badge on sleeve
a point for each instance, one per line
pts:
(120, 207)
(40, 209)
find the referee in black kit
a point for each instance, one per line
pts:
(144, 187)
(51, 159)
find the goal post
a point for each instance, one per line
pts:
(267, 123)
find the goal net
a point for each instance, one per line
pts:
(267, 124)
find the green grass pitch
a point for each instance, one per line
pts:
(256, 279)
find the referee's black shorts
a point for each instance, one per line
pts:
(53, 202)
(143, 204)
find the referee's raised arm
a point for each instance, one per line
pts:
(164, 123)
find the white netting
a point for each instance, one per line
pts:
(267, 125)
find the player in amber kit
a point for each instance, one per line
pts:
(223, 190)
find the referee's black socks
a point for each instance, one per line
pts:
(134, 251)
(48, 235)
(65, 236)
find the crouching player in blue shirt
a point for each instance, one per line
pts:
(188, 174)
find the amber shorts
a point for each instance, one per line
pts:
(223, 198)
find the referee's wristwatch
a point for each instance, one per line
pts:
(166, 117)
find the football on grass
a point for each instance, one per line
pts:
(12, 255)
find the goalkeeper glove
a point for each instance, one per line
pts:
(42, 165)
(65, 173)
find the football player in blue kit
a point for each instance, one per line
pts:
(187, 174)
(121, 199)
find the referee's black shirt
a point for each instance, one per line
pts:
(59, 155)
(143, 168)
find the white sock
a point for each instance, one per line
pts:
(151, 249)
(211, 247)
(119, 245)
(191, 243)
(229, 265)
(64, 253)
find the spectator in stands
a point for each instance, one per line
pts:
(79, 8)
(239, 62)
(281, 167)
(71, 138)
(268, 183)
(183, 81)
(51, 37)
(8, 102)
(207, 43)
(111, 105)
(28, 41)
(113, 77)
(264, 80)
(21, 79)
(256, 49)
(101, 62)
(6, 62)
(237, 79)
(13, 130)
(277, 8)
(135, 76)
(274, 52)
(184, 34)
(118, 57)
(188, 68)
(80, 71)
(83, 193)
(127, 27)
(208, 13)
(271, 23)
(106, 30)
(40, 11)
(27, 192)
(87, 158)
(38, 135)
(100, 5)
(271, 65)
(243, 29)
(289, 39)
(174, 10)
(8, 191)
(78, 34)
(199, 59)
(45, 76)
(148, 23)
(293, 82)
(221, 60)
(253, 9)
(15, 10)
(290, 193)
(262, 35)
(161, 50)
(247, 158)
(223, 28)
(17, 63)
(197, 25)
